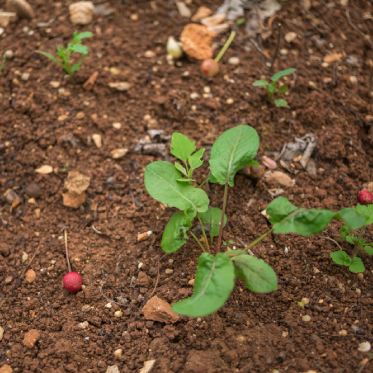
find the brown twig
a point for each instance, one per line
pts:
(156, 283)
(357, 29)
(277, 46)
(330, 239)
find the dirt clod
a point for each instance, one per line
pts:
(157, 309)
(31, 338)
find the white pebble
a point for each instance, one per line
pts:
(117, 125)
(194, 95)
(207, 89)
(230, 101)
(233, 60)
(169, 271)
(306, 318)
(118, 313)
(118, 353)
(108, 305)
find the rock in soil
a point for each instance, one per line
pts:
(21, 7)
(6, 369)
(112, 369)
(30, 275)
(31, 338)
(33, 190)
(201, 13)
(157, 309)
(71, 199)
(77, 182)
(1, 333)
(148, 366)
(81, 13)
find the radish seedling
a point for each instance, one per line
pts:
(353, 262)
(72, 281)
(173, 185)
(64, 54)
(271, 87)
(210, 67)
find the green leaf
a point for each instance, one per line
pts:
(213, 217)
(280, 102)
(231, 242)
(174, 235)
(62, 53)
(253, 163)
(234, 253)
(272, 87)
(357, 265)
(351, 239)
(240, 21)
(340, 257)
(187, 180)
(195, 159)
(231, 151)
(283, 88)
(256, 273)
(78, 48)
(345, 231)
(213, 285)
(366, 211)
(352, 218)
(212, 179)
(368, 250)
(279, 209)
(77, 65)
(181, 146)
(260, 83)
(78, 37)
(50, 56)
(161, 183)
(181, 168)
(2, 64)
(282, 73)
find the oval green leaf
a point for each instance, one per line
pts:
(213, 285)
(256, 273)
(174, 235)
(231, 151)
(161, 182)
(282, 73)
(357, 265)
(181, 146)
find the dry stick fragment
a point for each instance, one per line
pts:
(357, 29)
(330, 239)
(277, 46)
(156, 283)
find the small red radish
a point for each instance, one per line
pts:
(365, 197)
(210, 67)
(72, 281)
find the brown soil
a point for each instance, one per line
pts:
(252, 332)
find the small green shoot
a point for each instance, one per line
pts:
(2, 64)
(240, 21)
(271, 87)
(65, 54)
(353, 262)
(173, 185)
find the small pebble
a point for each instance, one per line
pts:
(230, 101)
(108, 305)
(25, 77)
(234, 61)
(306, 318)
(8, 279)
(191, 282)
(83, 325)
(169, 271)
(290, 37)
(9, 53)
(149, 54)
(118, 353)
(33, 190)
(31, 338)
(194, 95)
(118, 313)
(343, 332)
(134, 17)
(353, 79)
(24, 256)
(284, 52)
(80, 115)
(117, 125)
(207, 89)
(1, 333)
(305, 301)
(360, 276)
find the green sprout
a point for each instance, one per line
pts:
(2, 64)
(64, 54)
(271, 87)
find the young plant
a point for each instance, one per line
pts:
(72, 281)
(65, 54)
(271, 87)
(210, 67)
(2, 64)
(353, 262)
(174, 185)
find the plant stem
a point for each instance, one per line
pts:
(203, 183)
(226, 46)
(198, 241)
(222, 216)
(258, 239)
(357, 247)
(203, 232)
(67, 253)
(277, 46)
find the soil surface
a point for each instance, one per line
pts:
(39, 126)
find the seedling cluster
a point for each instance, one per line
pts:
(65, 54)
(175, 186)
(271, 88)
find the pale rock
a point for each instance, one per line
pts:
(284, 52)
(112, 369)
(31, 338)
(25, 77)
(119, 153)
(330, 58)
(214, 20)
(220, 29)
(306, 318)
(81, 13)
(24, 257)
(80, 115)
(97, 139)
(353, 79)
(364, 347)
(201, 13)
(343, 332)
(1, 31)
(21, 7)
(134, 17)
(118, 313)
(290, 36)
(197, 41)
(44, 170)
(108, 305)
(117, 125)
(1, 333)
(6, 18)
(149, 54)
(344, 2)
(86, 308)
(279, 178)
(148, 366)
(157, 309)
(30, 275)
(8, 279)
(305, 301)
(74, 200)
(191, 282)
(230, 101)
(83, 325)
(77, 182)
(118, 353)
(312, 84)
(184, 11)
(169, 271)
(233, 60)
(120, 86)
(9, 53)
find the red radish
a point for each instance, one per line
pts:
(365, 197)
(72, 281)
(210, 67)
